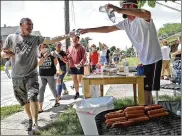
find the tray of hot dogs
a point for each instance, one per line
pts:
(130, 117)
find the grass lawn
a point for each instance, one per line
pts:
(68, 122)
(133, 61)
(67, 78)
(9, 110)
(2, 68)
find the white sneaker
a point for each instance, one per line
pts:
(35, 129)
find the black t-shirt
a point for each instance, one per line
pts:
(47, 68)
(63, 54)
(107, 54)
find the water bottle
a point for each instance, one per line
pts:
(126, 68)
(53, 53)
(109, 11)
(140, 70)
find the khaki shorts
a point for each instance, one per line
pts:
(26, 89)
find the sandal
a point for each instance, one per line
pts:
(40, 111)
(56, 104)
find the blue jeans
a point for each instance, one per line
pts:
(103, 60)
(62, 85)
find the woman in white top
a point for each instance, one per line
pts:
(103, 52)
(166, 60)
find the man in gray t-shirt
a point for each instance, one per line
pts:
(22, 49)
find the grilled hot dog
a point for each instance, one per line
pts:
(116, 119)
(135, 112)
(134, 115)
(114, 115)
(156, 107)
(156, 111)
(139, 119)
(134, 108)
(123, 124)
(158, 115)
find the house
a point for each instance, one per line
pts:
(172, 41)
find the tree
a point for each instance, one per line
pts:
(85, 42)
(112, 49)
(123, 52)
(130, 51)
(169, 29)
(52, 47)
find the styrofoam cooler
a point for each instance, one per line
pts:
(95, 91)
(87, 109)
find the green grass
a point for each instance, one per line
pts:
(67, 78)
(2, 68)
(66, 124)
(133, 61)
(9, 110)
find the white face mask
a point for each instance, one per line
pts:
(45, 50)
(93, 49)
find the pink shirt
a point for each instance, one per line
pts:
(77, 55)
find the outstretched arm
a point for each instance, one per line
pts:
(56, 39)
(141, 13)
(103, 29)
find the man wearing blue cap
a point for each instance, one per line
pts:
(141, 31)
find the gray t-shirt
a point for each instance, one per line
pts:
(25, 49)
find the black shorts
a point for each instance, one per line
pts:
(152, 73)
(75, 71)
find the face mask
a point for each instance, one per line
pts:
(45, 50)
(93, 49)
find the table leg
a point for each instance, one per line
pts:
(141, 99)
(101, 90)
(134, 93)
(86, 89)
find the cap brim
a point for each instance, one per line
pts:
(125, 3)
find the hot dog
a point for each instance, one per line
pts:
(119, 111)
(158, 115)
(135, 108)
(134, 115)
(156, 107)
(116, 119)
(123, 124)
(114, 115)
(110, 123)
(135, 112)
(139, 119)
(156, 111)
(147, 108)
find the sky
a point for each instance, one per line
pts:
(48, 18)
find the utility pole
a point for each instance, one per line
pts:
(67, 21)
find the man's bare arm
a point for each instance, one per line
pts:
(103, 29)
(56, 39)
(141, 13)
